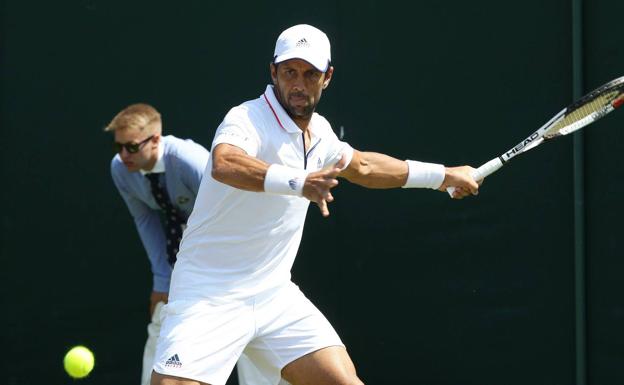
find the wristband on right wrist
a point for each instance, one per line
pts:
(284, 180)
(424, 175)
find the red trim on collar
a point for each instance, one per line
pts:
(274, 114)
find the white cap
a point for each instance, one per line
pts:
(303, 42)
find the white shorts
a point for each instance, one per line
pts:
(202, 340)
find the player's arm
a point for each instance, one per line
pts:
(375, 170)
(233, 166)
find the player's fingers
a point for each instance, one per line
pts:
(322, 204)
(472, 186)
(462, 192)
(479, 183)
(329, 197)
(329, 181)
(332, 172)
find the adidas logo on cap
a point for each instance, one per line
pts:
(303, 43)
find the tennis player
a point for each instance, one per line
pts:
(158, 177)
(231, 291)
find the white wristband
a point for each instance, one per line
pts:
(427, 175)
(284, 180)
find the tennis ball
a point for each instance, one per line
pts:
(78, 362)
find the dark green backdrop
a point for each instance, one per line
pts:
(423, 290)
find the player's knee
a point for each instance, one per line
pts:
(352, 380)
(343, 379)
(348, 379)
(160, 379)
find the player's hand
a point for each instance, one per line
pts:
(155, 298)
(461, 179)
(318, 185)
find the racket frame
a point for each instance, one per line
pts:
(538, 137)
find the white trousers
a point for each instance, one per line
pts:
(248, 374)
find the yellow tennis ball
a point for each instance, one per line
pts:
(78, 362)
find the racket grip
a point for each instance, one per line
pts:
(481, 172)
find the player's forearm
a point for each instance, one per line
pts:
(375, 170)
(240, 170)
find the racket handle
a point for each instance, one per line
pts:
(481, 172)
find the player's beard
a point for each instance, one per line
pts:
(304, 112)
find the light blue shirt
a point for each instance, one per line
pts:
(184, 162)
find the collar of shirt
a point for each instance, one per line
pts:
(280, 114)
(159, 167)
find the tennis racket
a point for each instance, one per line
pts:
(579, 114)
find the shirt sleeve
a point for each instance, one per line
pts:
(151, 232)
(337, 149)
(237, 130)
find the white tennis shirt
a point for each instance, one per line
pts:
(240, 243)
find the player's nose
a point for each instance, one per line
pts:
(298, 84)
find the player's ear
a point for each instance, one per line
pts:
(273, 69)
(328, 76)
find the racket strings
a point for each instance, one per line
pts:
(583, 115)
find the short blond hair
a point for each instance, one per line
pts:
(140, 116)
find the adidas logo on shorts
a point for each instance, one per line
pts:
(173, 361)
